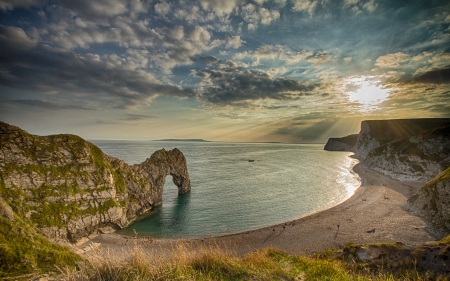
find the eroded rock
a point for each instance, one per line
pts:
(70, 189)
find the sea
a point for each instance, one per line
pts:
(238, 187)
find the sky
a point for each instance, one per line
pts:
(294, 71)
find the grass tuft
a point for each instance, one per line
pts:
(214, 263)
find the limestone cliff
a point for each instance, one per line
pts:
(346, 143)
(433, 203)
(375, 133)
(418, 158)
(70, 189)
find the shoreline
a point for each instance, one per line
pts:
(375, 205)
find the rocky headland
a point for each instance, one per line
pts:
(411, 150)
(69, 189)
(347, 143)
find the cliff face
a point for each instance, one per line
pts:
(375, 133)
(342, 144)
(70, 189)
(433, 203)
(413, 150)
(418, 158)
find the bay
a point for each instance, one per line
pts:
(231, 194)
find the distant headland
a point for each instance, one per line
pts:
(184, 140)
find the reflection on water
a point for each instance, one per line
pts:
(171, 217)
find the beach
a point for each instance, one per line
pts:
(373, 214)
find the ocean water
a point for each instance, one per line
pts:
(230, 194)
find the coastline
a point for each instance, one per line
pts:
(376, 204)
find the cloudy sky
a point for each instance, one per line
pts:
(234, 70)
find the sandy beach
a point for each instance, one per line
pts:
(373, 214)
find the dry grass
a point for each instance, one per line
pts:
(215, 262)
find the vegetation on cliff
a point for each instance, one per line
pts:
(346, 143)
(433, 203)
(385, 131)
(25, 252)
(69, 189)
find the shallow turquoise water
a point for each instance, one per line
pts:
(230, 194)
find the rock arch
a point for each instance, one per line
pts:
(163, 163)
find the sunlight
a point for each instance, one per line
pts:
(366, 92)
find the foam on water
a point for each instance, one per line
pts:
(230, 194)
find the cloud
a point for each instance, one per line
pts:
(209, 60)
(320, 58)
(254, 15)
(274, 52)
(304, 5)
(232, 86)
(96, 10)
(434, 77)
(200, 36)
(267, 16)
(276, 71)
(421, 56)
(220, 7)
(234, 42)
(55, 105)
(370, 6)
(392, 60)
(351, 2)
(138, 117)
(111, 78)
(162, 8)
(191, 14)
(10, 5)
(15, 38)
(440, 60)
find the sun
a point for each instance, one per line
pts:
(367, 92)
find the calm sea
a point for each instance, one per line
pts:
(230, 194)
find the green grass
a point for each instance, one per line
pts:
(24, 252)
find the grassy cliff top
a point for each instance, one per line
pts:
(390, 130)
(350, 139)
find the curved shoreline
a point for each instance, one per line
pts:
(376, 204)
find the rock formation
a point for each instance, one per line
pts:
(406, 149)
(433, 203)
(342, 144)
(413, 150)
(418, 158)
(431, 258)
(375, 133)
(70, 189)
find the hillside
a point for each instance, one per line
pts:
(433, 203)
(25, 251)
(69, 189)
(346, 143)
